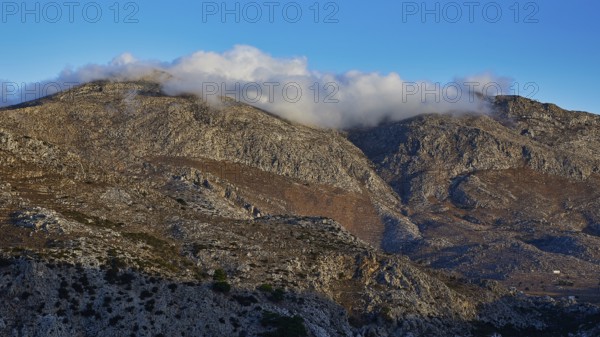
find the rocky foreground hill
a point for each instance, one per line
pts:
(127, 212)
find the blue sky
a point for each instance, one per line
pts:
(553, 44)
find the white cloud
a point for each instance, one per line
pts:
(288, 88)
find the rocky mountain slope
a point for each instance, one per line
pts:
(131, 128)
(126, 212)
(512, 196)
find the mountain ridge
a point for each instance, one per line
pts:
(152, 197)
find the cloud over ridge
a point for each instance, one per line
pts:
(288, 88)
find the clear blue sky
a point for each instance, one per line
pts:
(554, 44)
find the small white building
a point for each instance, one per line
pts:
(556, 272)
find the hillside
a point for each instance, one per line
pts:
(510, 196)
(129, 212)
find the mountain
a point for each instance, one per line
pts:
(116, 127)
(129, 212)
(511, 196)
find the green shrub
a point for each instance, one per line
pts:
(91, 220)
(5, 262)
(148, 239)
(149, 305)
(265, 287)
(566, 283)
(221, 286)
(277, 295)
(245, 301)
(145, 294)
(220, 275)
(114, 320)
(63, 292)
(284, 326)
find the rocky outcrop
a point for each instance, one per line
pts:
(38, 218)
